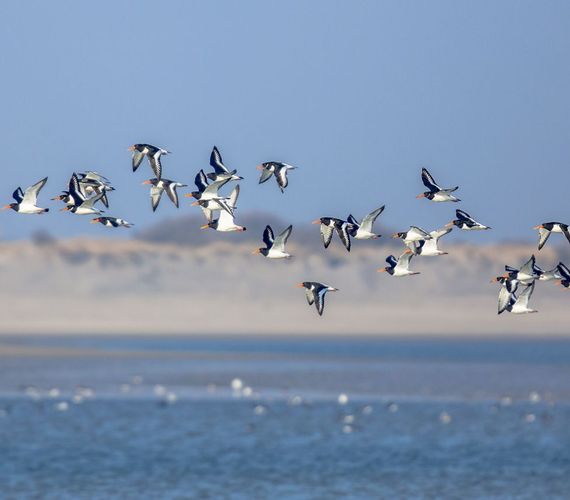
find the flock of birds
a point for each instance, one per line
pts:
(87, 191)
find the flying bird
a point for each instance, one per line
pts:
(159, 186)
(412, 236)
(435, 192)
(211, 205)
(26, 201)
(111, 222)
(79, 203)
(315, 293)
(545, 229)
(331, 224)
(220, 171)
(399, 267)
(466, 222)
(225, 222)
(552, 274)
(364, 230)
(508, 288)
(278, 169)
(528, 272)
(430, 248)
(152, 153)
(275, 247)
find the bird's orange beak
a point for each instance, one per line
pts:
(146, 182)
(255, 252)
(189, 195)
(407, 250)
(195, 204)
(259, 167)
(6, 206)
(94, 221)
(64, 209)
(318, 221)
(422, 195)
(538, 227)
(57, 198)
(449, 224)
(300, 285)
(395, 235)
(205, 226)
(382, 270)
(131, 148)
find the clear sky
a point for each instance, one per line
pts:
(358, 94)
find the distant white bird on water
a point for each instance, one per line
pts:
(26, 201)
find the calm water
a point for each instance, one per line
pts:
(424, 418)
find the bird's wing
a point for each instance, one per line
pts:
(137, 159)
(281, 177)
(155, 164)
(565, 231)
(104, 199)
(342, 231)
(563, 270)
(320, 300)
(504, 299)
(18, 195)
(438, 233)
(528, 266)
(281, 240)
(420, 232)
(216, 162)
(75, 190)
(404, 260)
(525, 295)
(155, 195)
(464, 216)
(268, 237)
(31, 193)
(352, 220)
(544, 234)
(208, 213)
(392, 261)
(201, 181)
(326, 234)
(368, 221)
(265, 175)
(234, 195)
(172, 193)
(429, 181)
(310, 296)
(212, 189)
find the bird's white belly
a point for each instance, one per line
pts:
(276, 254)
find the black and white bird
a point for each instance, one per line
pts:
(527, 273)
(275, 247)
(315, 293)
(545, 229)
(565, 274)
(466, 222)
(211, 205)
(399, 267)
(220, 171)
(278, 169)
(26, 201)
(93, 183)
(364, 230)
(430, 248)
(80, 203)
(152, 153)
(207, 191)
(551, 275)
(201, 182)
(159, 186)
(331, 224)
(111, 222)
(412, 236)
(225, 222)
(435, 192)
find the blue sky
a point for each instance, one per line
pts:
(359, 95)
